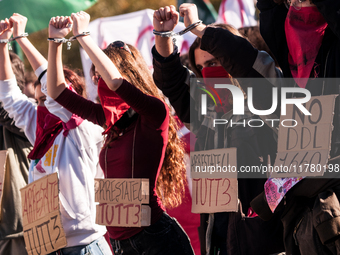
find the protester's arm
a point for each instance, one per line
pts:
(6, 71)
(33, 55)
(165, 19)
(330, 11)
(22, 110)
(82, 107)
(170, 76)
(272, 19)
(38, 63)
(265, 5)
(234, 52)
(173, 79)
(143, 104)
(59, 27)
(9, 124)
(237, 56)
(154, 111)
(103, 64)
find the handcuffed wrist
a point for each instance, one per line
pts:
(68, 41)
(172, 33)
(12, 39)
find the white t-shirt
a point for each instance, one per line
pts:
(75, 158)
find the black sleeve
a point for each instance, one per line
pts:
(235, 53)
(308, 187)
(238, 56)
(272, 19)
(330, 11)
(170, 77)
(265, 5)
(9, 124)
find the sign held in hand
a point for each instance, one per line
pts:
(303, 150)
(123, 202)
(43, 231)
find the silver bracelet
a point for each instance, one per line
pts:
(172, 34)
(68, 41)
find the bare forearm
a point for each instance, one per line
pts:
(199, 30)
(55, 75)
(164, 46)
(103, 64)
(6, 71)
(33, 55)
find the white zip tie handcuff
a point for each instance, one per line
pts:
(68, 41)
(12, 39)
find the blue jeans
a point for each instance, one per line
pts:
(97, 247)
(165, 237)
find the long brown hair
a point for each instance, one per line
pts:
(171, 180)
(76, 80)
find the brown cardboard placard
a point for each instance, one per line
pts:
(210, 195)
(43, 231)
(121, 202)
(3, 158)
(218, 163)
(45, 235)
(123, 215)
(300, 164)
(303, 150)
(129, 191)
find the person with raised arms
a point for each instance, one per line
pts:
(63, 143)
(220, 51)
(141, 139)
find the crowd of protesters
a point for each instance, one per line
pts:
(133, 133)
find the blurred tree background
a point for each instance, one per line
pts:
(103, 8)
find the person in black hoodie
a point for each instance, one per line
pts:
(220, 50)
(304, 37)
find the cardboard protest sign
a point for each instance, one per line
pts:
(43, 231)
(210, 195)
(218, 163)
(304, 144)
(3, 157)
(132, 191)
(122, 202)
(124, 215)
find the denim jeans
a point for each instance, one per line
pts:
(165, 237)
(97, 247)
